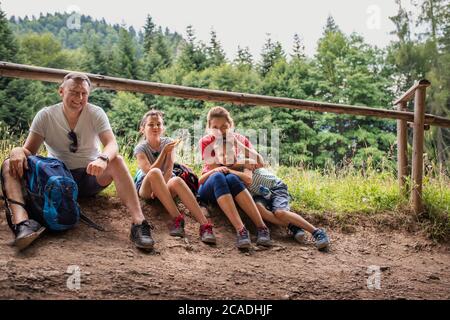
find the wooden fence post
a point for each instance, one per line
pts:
(418, 139)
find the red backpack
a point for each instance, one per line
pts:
(188, 175)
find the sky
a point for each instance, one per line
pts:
(236, 22)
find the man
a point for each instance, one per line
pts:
(72, 132)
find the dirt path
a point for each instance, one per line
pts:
(411, 266)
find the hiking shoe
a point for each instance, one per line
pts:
(177, 228)
(243, 239)
(141, 235)
(297, 232)
(263, 238)
(207, 234)
(26, 232)
(321, 239)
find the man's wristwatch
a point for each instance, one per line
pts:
(104, 157)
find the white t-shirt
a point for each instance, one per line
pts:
(51, 124)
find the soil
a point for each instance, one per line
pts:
(410, 266)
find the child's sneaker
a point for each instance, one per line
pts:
(264, 237)
(321, 239)
(207, 234)
(177, 228)
(297, 232)
(243, 239)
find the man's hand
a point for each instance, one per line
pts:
(18, 162)
(96, 167)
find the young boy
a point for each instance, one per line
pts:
(270, 194)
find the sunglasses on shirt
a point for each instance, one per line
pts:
(73, 147)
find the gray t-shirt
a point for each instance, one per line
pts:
(51, 124)
(150, 153)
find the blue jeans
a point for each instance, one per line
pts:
(219, 184)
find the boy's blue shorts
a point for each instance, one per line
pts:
(279, 199)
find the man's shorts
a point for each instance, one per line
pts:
(87, 184)
(279, 199)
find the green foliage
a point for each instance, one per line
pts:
(244, 58)
(157, 58)
(8, 45)
(216, 55)
(149, 34)
(20, 101)
(426, 56)
(126, 59)
(272, 53)
(44, 50)
(345, 69)
(125, 115)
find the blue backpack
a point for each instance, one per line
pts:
(50, 195)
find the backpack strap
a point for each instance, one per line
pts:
(89, 222)
(8, 201)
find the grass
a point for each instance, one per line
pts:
(345, 192)
(342, 193)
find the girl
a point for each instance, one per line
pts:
(224, 185)
(271, 196)
(155, 157)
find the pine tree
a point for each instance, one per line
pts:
(299, 48)
(271, 54)
(435, 14)
(216, 55)
(128, 64)
(159, 57)
(243, 58)
(331, 25)
(149, 33)
(8, 45)
(434, 19)
(193, 56)
(401, 22)
(95, 61)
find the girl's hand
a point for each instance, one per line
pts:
(222, 169)
(168, 148)
(250, 164)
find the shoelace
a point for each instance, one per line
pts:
(243, 233)
(145, 230)
(319, 235)
(178, 221)
(207, 228)
(264, 231)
